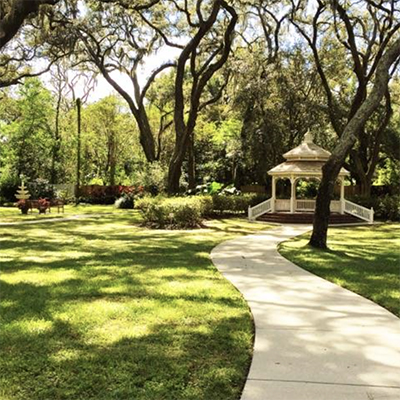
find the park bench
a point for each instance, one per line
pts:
(34, 204)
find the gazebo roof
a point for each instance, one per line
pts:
(304, 160)
(307, 150)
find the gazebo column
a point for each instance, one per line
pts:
(292, 194)
(342, 196)
(273, 195)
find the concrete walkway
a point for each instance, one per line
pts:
(314, 340)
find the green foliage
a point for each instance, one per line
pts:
(306, 189)
(209, 188)
(65, 196)
(109, 141)
(226, 204)
(176, 212)
(40, 188)
(188, 212)
(389, 208)
(28, 140)
(214, 188)
(386, 207)
(207, 206)
(152, 177)
(388, 174)
(8, 186)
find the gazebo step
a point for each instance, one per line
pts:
(306, 218)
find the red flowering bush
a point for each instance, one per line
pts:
(43, 205)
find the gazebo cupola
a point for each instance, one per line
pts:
(304, 161)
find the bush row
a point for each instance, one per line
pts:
(188, 212)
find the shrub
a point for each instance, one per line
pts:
(8, 186)
(125, 203)
(188, 212)
(207, 206)
(43, 205)
(173, 212)
(153, 178)
(389, 208)
(40, 188)
(226, 204)
(222, 203)
(65, 196)
(366, 201)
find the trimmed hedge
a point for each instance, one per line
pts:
(229, 204)
(188, 212)
(173, 212)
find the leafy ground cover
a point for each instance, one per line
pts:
(13, 214)
(365, 260)
(104, 309)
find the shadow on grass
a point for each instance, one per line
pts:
(103, 309)
(168, 362)
(364, 260)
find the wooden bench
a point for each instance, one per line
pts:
(57, 203)
(34, 204)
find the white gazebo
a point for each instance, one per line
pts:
(305, 162)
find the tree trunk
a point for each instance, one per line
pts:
(78, 150)
(11, 22)
(113, 160)
(332, 167)
(184, 126)
(175, 165)
(56, 146)
(146, 137)
(191, 163)
(174, 174)
(330, 172)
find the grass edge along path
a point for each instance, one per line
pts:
(104, 309)
(363, 259)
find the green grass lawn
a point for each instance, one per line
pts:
(104, 309)
(13, 214)
(365, 260)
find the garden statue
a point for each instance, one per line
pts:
(23, 196)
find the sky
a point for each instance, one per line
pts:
(103, 88)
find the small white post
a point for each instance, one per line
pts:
(249, 213)
(371, 216)
(342, 205)
(292, 194)
(273, 195)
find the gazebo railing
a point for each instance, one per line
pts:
(359, 211)
(305, 205)
(309, 205)
(282, 205)
(259, 209)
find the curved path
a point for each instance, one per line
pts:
(314, 340)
